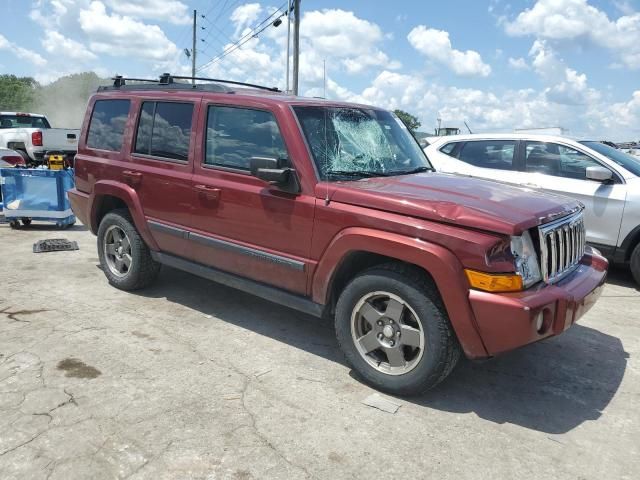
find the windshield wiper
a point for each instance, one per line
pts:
(356, 173)
(415, 170)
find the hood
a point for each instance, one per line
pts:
(469, 202)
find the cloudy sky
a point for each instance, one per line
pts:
(496, 64)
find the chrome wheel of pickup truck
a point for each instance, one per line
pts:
(117, 250)
(387, 333)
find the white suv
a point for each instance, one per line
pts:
(606, 180)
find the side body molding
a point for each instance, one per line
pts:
(129, 196)
(442, 265)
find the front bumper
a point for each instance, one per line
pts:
(509, 320)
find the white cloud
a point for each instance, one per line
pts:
(487, 111)
(346, 42)
(518, 63)
(565, 85)
(577, 20)
(339, 34)
(172, 11)
(123, 36)
(245, 16)
(60, 46)
(436, 45)
(22, 53)
(61, 15)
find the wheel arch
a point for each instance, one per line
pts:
(630, 242)
(108, 196)
(356, 249)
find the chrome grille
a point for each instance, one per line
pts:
(562, 245)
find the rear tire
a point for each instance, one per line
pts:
(26, 221)
(394, 330)
(634, 264)
(25, 156)
(125, 258)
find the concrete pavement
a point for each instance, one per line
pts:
(190, 379)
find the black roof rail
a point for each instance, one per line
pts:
(231, 82)
(166, 79)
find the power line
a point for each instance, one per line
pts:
(217, 28)
(253, 33)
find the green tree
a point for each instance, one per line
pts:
(17, 93)
(412, 122)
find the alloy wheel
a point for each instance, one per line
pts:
(387, 333)
(117, 251)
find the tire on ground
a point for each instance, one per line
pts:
(144, 270)
(442, 350)
(634, 263)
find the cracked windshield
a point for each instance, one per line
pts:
(349, 142)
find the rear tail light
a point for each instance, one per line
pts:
(36, 139)
(14, 160)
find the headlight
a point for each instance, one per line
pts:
(526, 259)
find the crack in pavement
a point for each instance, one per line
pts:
(243, 401)
(12, 315)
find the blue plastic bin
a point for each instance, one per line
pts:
(37, 194)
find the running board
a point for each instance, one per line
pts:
(258, 289)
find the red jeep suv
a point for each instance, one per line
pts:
(329, 208)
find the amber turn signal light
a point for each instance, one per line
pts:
(490, 282)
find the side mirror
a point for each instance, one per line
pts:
(599, 174)
(273, 172)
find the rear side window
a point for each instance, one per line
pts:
(234, 135)
(108, 121)
(495, 154)
(23, 121)
(164, 130)
(448, 148)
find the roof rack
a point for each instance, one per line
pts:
(167, 80)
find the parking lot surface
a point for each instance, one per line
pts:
(191, 379)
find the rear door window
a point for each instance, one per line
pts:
(557, 160)
(164, 130)
(108, 121)
(234, 135)
(494, 154)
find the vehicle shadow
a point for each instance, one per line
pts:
(621, 277)
(552, 386)
(49, 227)
(272, 320)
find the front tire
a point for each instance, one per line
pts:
(125, 258)
(394, 330)
(634, 264)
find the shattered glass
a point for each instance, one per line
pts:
(358, 142)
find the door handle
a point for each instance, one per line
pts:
(132, 178)
(212, 193)
(530, 185)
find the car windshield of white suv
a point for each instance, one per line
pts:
(626, 161)
(348, 142)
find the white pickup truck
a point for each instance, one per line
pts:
(31, 135)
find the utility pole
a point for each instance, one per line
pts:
(193, 49)
(288, 42)
(296, 44)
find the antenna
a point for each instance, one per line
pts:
(465, 124)
(324, 78)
